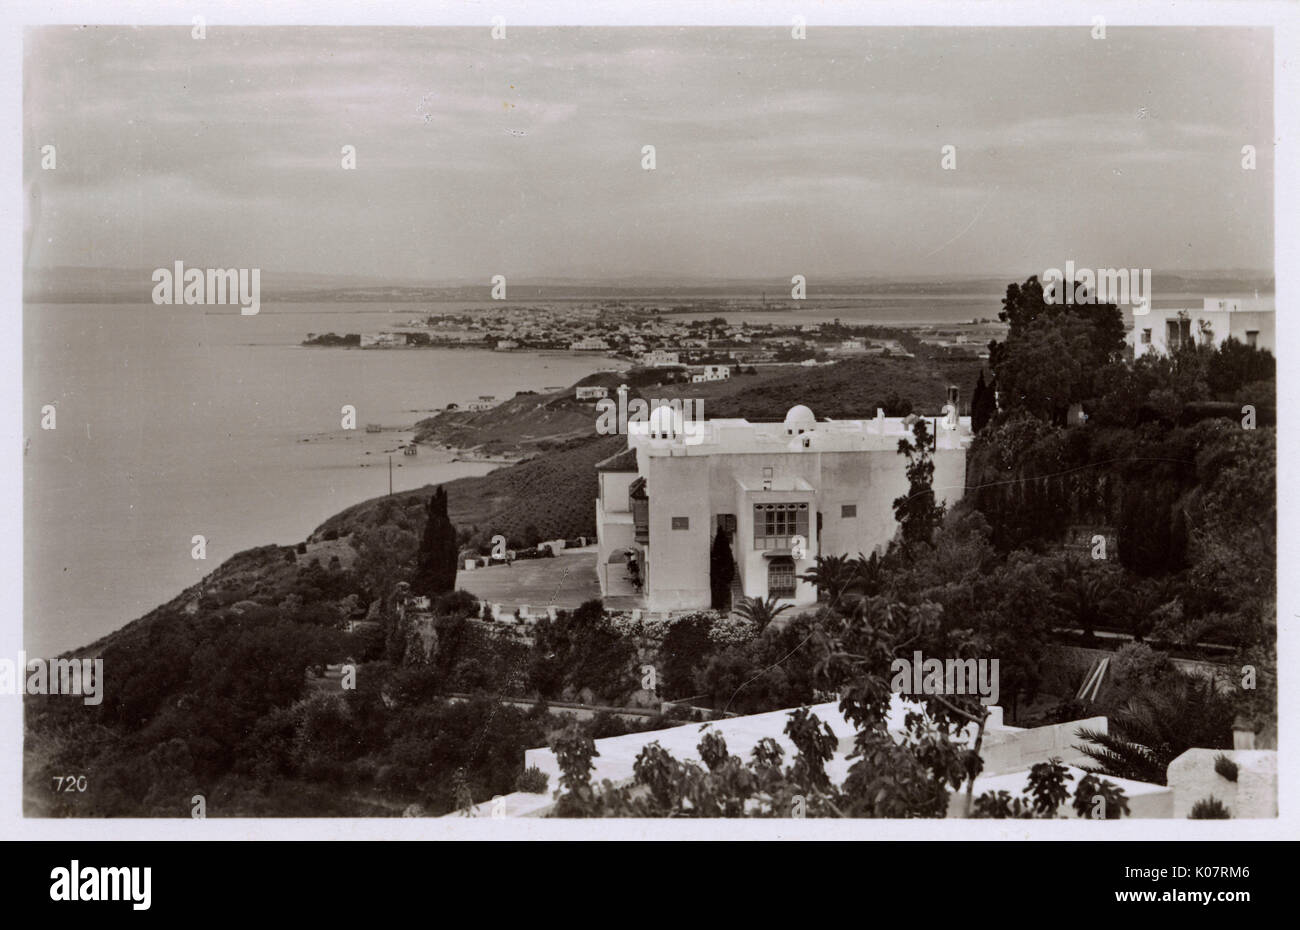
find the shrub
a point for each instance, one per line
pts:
(685, 652)
(331, 535)
(458, 603)
(1225, 767)
(1209, 809)
(1137, 666)
(302, 548)
(733, 631)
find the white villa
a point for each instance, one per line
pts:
(706, 373)
(660, 358)
(783, 492)
(591, 392)
(1163, 330)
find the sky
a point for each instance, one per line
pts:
(774, 156)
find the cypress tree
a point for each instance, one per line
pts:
(917, 512)
(722, 568)
(981, 405)
(435, 569)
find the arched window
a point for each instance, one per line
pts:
(780, 576)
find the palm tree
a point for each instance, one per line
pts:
(761, 612)
(832, 576)
(1157, 726)
(866, 580)
(868, 575)
(1086, 595)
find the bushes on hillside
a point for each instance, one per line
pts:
(581, 649)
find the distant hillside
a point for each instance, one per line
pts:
(531, 422)
(850, 389)
(555, 492)
(527, 422)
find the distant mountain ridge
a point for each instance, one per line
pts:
(115, 285)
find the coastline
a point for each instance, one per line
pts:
(272, 460)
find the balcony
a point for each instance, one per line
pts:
(777, 523)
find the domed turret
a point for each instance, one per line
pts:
(799, 420)
(666, 422)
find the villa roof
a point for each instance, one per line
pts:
(623, 461)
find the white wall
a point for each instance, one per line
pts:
(1222, 324)
(614, 528)
(1254, 794)
(678, 569)
(701, 487)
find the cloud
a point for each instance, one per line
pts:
(528, 150)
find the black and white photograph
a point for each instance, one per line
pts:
(486, 424)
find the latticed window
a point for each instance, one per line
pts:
(776, 524)
(780, 577)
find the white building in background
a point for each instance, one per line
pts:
(707, 373)
(1249, 321)
(660, 358)
(589, 344)
(783, 492)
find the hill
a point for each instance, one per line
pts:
(555, 492)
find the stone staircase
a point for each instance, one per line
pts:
(737, 592)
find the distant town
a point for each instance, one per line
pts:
(660, 337)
